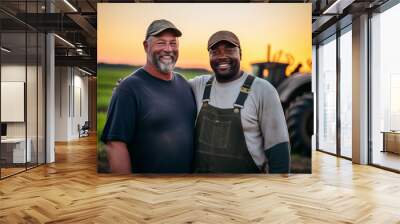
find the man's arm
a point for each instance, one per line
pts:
(118, 157)
(278, 157)
(274, 130)
(198, 84)
(119, 129)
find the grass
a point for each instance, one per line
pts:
(101, 120)
(300, 164)
(107, 77)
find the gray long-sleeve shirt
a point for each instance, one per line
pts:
(262, 118)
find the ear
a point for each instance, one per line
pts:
(145, 45)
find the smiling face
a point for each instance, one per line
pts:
(225, 61)
(162, 51)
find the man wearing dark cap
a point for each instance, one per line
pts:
(240, 126)
(150, 122)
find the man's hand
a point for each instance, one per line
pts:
(118, 157)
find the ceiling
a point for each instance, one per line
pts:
(74, 22)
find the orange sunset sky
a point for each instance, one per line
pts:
(287, 27)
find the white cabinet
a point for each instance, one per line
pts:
(18, 149)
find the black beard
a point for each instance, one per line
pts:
(234, 70)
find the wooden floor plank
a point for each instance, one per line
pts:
(71, 191)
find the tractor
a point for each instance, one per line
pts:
(297, 101)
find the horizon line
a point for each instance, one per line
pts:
(134, 65)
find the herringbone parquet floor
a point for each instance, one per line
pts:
(70, 191)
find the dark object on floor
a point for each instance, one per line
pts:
(84, 130)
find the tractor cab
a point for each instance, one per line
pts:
(274, 72)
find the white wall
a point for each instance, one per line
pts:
(62, 80)
(14, 73)
(12, 101)
(11, 73)
(33, 126)
(70, 83)
(80, 104)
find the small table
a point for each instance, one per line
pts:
(391, 141)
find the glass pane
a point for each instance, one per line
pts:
(41, 98)
(385, 89)
(31, 83)
(327, 96)
(346, 94)
(31, 97)
(14, 153)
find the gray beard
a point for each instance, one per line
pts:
(163, 67)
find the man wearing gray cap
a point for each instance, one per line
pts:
(240, 126)
(150, 121)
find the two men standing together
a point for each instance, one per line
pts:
(229, 122)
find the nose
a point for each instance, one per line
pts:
(168, 47)
(220, 54)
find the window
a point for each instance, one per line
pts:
(22, 87)
(385, 89)
(327, 96)
(346, 93)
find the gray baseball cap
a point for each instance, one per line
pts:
(158, 26)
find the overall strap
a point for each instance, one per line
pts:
(207, 90)
(244, 92)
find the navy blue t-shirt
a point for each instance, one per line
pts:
(156, 119)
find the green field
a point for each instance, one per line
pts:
(107, 77)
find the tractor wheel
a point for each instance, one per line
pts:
(299, 118)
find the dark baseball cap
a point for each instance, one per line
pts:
(158, 26)
(223, 35)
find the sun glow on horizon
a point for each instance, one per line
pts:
(286, 27)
